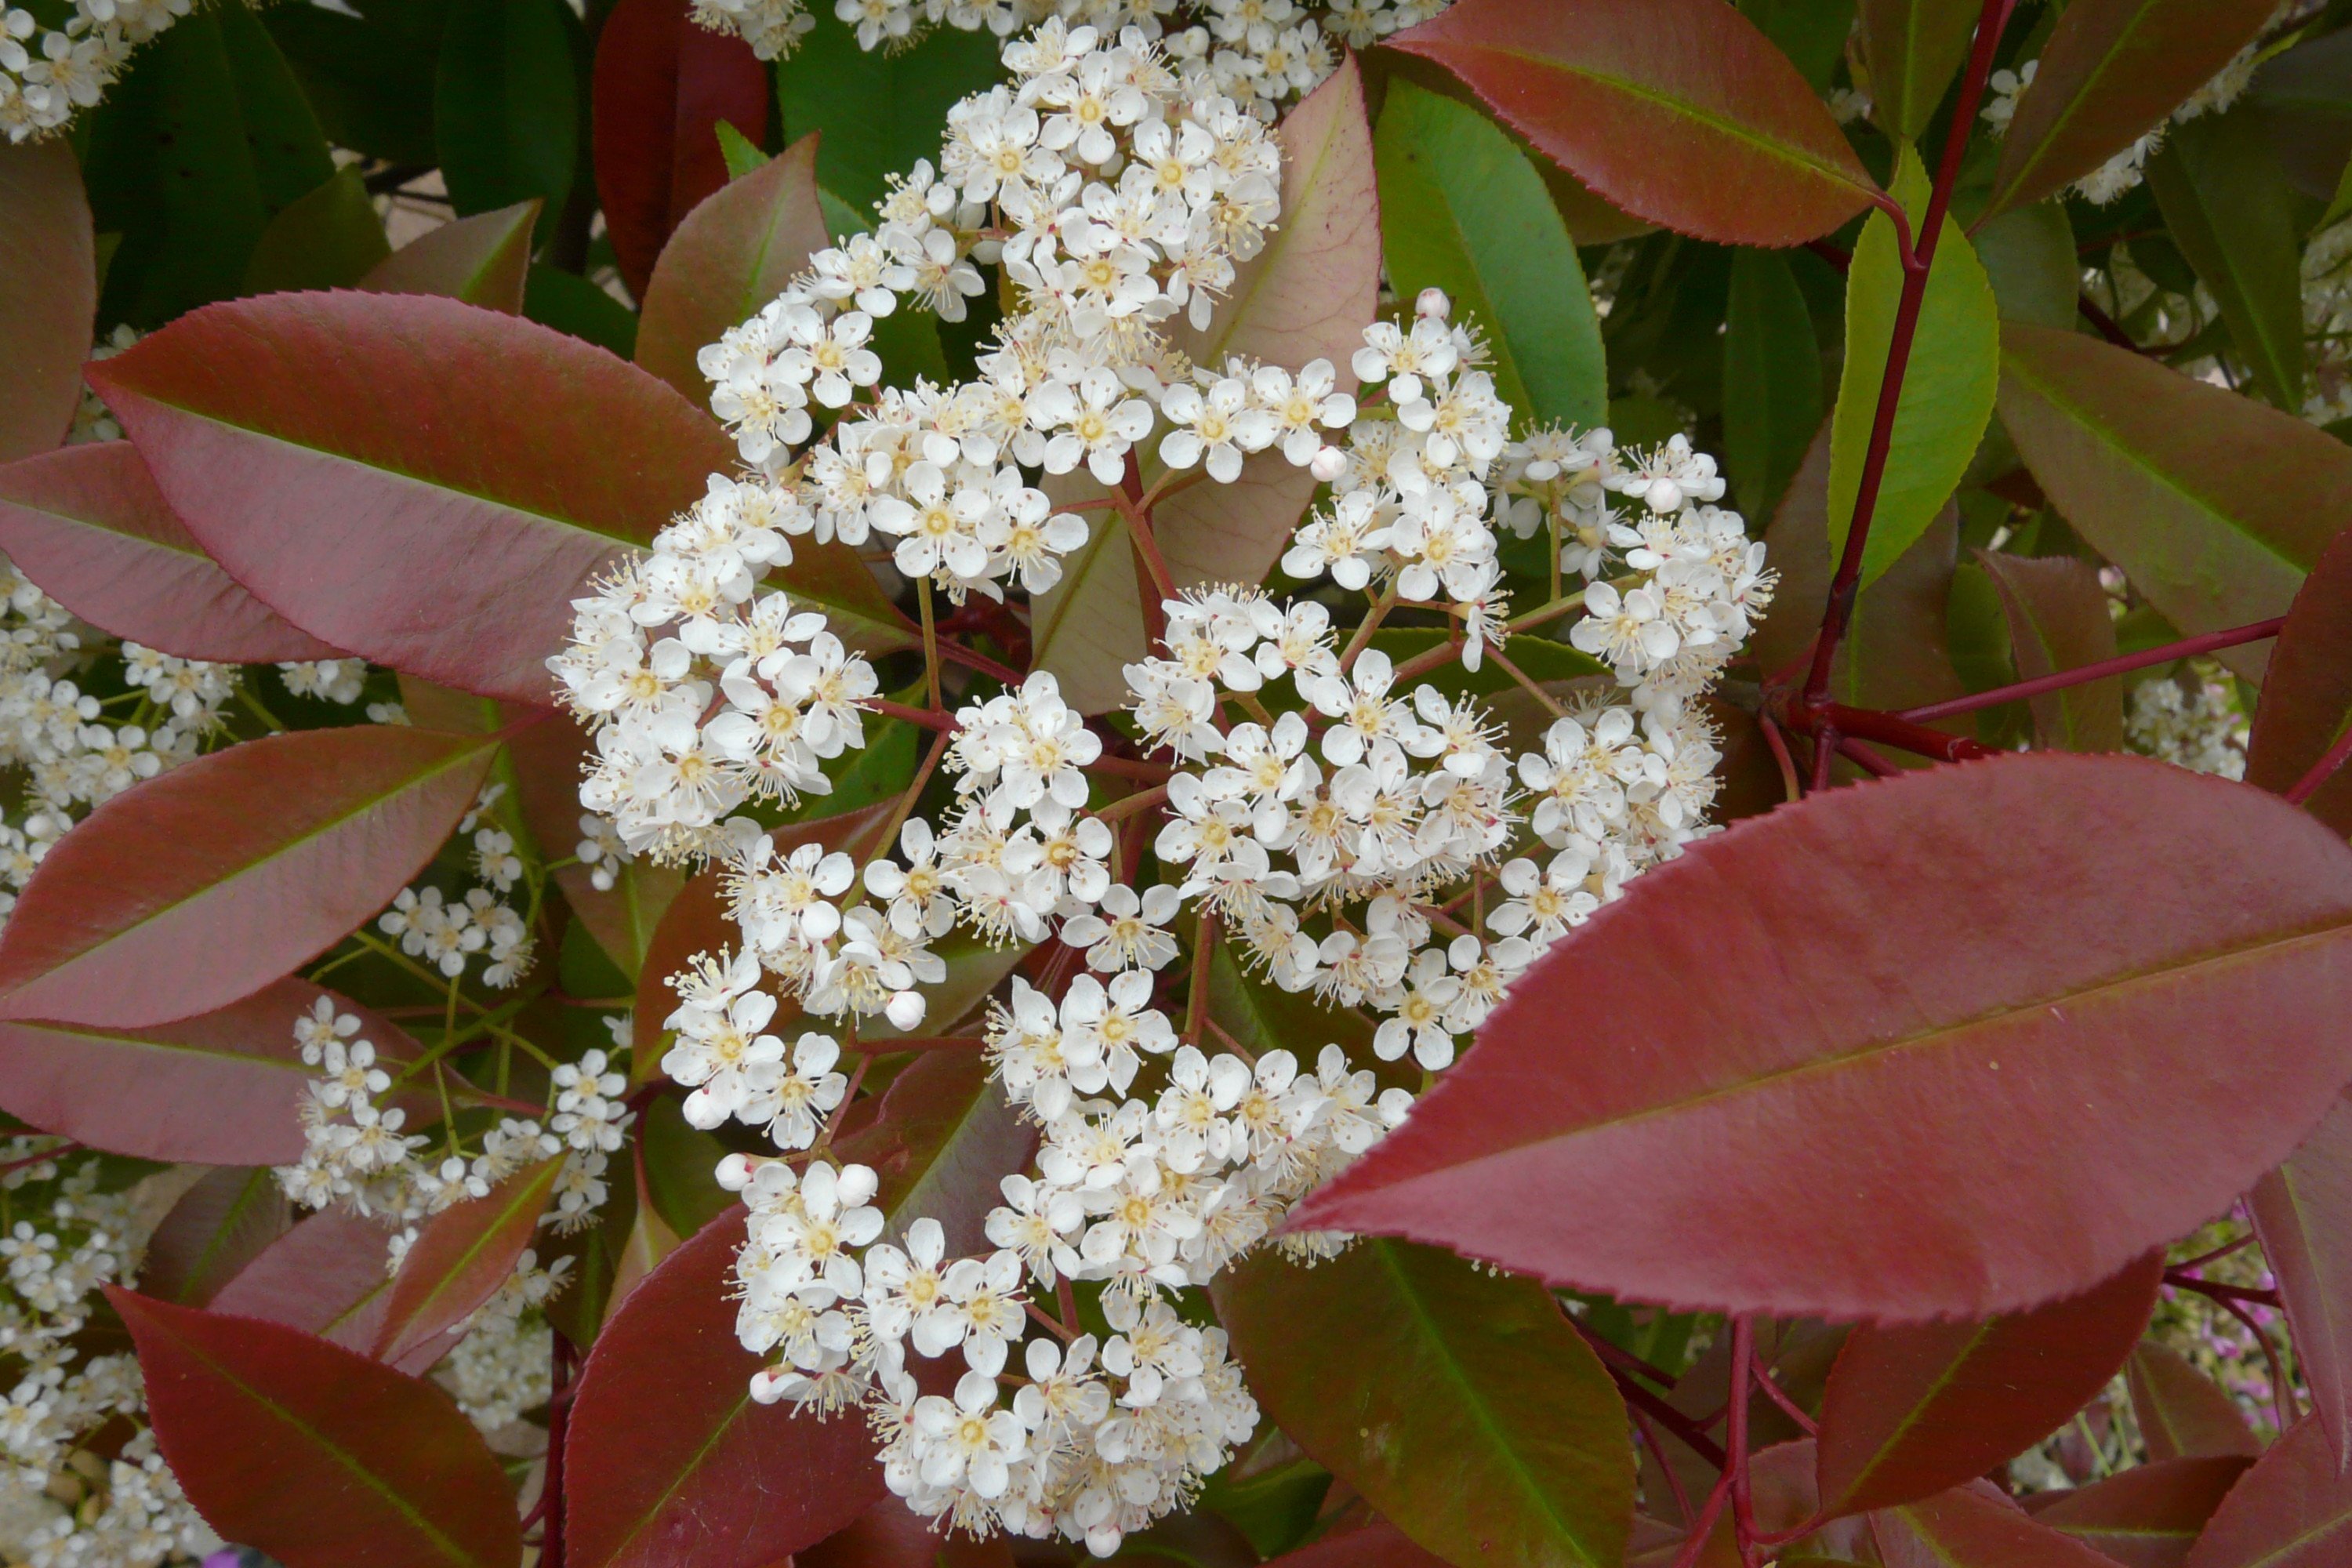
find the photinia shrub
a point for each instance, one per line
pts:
(1339, 782)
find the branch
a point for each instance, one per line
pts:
(2188, 648)
(2322, 770)
(1917, 260)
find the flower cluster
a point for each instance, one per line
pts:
(1301, 802)
(1259, 53)
(61, 1506)
(2200, 727)
(2125, 170)
(359, 1152)
(47, 74)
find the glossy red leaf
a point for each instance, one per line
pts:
(421, 482)
(458, 1261)
(2302, 1212)
(662, 84)
(1969, 1529)
(220, 1225)
(1680, 111)
(670, 1461)
(88, 525)
(2182, 1412)
(1913, 1409)
(325, 1277)
(2293, 1509)
(2058, 619)
(2148, 1516)
(1961, 1064)
(177, 897)
(729, 257)
(219, 1089)
(889, 1536)
(318, 1457)
(2110, 71)
(482, 260)
(942, 1141)
(48, 293)
(2307, 689)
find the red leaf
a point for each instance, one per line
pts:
(2148, 1516)
(729, 257)
(888, 1536)
(219, 1089)
(1936, 1046)
(662, 84)
(325, 1277)
(48, 293)
(2307, 689)
(2302, 1212)
(1968, 1529)
(318, 1457)
(2183, 1414)
(2057, 614)
(1913, 1409)
(2293, 1509)
(177, 896)
(421, 483)
(88, 524)
(1680, 111)
(220, 1224)
(459, 1260)
(481, 260)
(942, 1141)
(669, 1460)
(2110, 71)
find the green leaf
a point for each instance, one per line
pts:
(736, 148)
(2058, 619)
(1771, 379)
(460, 1259)
(1463, 209)
(1461, 1403)
(2213, 504)
(1949, 383)
(506, 104)
(327, 239)
(881, 109)
(570, 303)
(206, 139)
(1812, 33)
(1911, 48)
(368, 79)
(2343, 201)
(481, 260)
(679, 1162)
(2029, 255)
(2228, 206)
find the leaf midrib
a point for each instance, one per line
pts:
(1771, 147)
(397, 1337)
(370, 465)
(1459, 1375)
(253, 868)
(1881, 1049)
(95, 525)
(1917, 1412)
(100, 1035)
(441, 1541)
(2040, 154)
(2105, 434)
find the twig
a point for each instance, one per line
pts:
(2018, 692)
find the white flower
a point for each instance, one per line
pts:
(1130, 931)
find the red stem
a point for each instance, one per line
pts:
(2214, 1289)
(1658, 1453)
(1641, 1398)
(1734, 1435)
(1779, 744)
(973, 658)
(929, 719)
(2187, 647)
(1789, 1407)
(1870, 761)
(1834, 721)
(1701, 1527)
(559, 1424)
(2109, 328)
(2322, 770)
(1918, 258)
